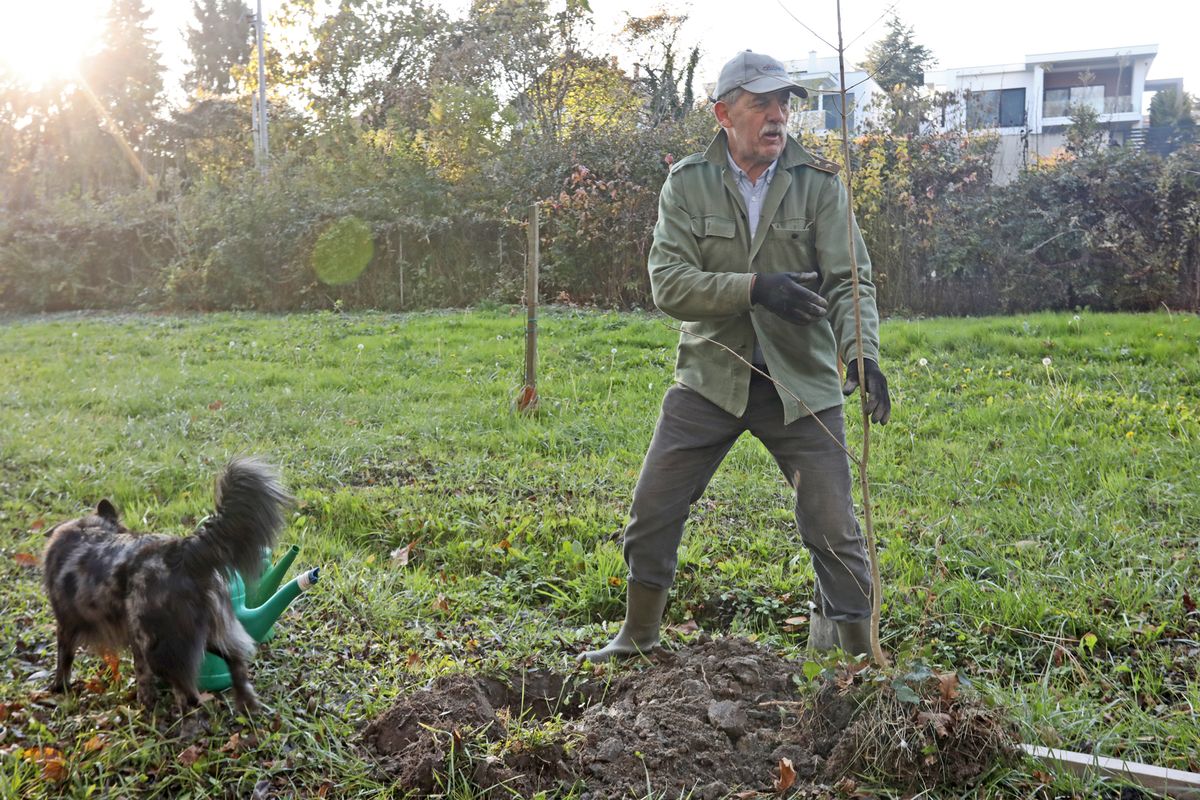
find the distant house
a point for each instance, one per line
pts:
(1029, 104)
(822, 110)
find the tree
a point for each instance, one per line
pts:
(897, 60)
(220, 41)
(534, 57)
(898, 65)
(665, 84)
(1171, 109)
(373, 59)
(1085, 134)
(126, 75)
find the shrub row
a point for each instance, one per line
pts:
(1117, 229)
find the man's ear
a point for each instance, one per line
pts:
(721, 110)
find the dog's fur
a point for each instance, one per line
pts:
(165, 597)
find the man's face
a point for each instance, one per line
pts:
(756, 125)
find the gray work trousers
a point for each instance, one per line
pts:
(691, 439)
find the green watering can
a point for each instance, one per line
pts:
(257, 605)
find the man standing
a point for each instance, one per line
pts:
(750, 251)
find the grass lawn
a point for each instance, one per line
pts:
(1035, 493)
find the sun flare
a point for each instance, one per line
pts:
(40, 41)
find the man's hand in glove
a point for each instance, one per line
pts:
(784, 294)
(879, 405)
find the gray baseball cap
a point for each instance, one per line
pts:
(756, 73)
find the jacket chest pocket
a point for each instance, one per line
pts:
(788, 246)
(720, 248)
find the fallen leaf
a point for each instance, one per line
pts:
(95, 684)
(686, 627)
(190, 756)
(7, 709)
(1189, 605)
(939, 721)
(441, 604)
(414, 660)
(95, 743)
(54, 768)
(504, 544)
(25, 559)
(401, 555)
(114, 665)
(614, 581)
(787, 776)
(800, 620)
(215, 405)
(37, 525)
(206, 696)
(846, 786)
(233, 745)
(948, 685)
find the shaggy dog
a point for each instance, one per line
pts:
(165, 597)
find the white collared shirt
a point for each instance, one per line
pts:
(753, 193)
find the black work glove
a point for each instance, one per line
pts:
(879, 405)
(784, 294)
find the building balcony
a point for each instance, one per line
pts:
(1120, 104)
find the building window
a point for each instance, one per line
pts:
(996, 108)
(832, 104)
(1058, 102)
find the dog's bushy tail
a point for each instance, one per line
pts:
(251, 506)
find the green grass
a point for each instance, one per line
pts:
(1038, 525)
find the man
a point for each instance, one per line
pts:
(750, 251)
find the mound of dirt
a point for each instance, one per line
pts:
(717, 719)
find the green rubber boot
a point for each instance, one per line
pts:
(855, 637)
(644, 608)
(822, 633)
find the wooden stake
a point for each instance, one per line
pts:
(528, 398)
(1170, 782)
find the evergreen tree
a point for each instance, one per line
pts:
(1170, 108)
(126, 75)
(898, 65)
(221, 40)
(897, 60)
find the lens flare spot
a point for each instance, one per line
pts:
(343, 251)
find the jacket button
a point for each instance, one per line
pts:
(795, 236)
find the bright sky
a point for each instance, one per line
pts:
(42, 39)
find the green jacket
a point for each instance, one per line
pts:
(700, 269)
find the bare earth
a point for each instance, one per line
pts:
(720, 718)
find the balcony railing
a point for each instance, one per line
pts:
(1116, 104)
(807, 121)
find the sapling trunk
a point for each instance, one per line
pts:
(877, 653)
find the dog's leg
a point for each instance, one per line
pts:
(243, 691)
(143, 674)
(186, 697)
(66, 657)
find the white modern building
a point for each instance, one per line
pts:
(822, 111)
(1029, 103)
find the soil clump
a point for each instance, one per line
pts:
(719, 718)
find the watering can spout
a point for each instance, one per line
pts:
(257, 592)
(258, 620)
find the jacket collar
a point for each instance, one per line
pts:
(793, 154)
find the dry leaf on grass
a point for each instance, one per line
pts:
(787, 776)
(190, 755)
